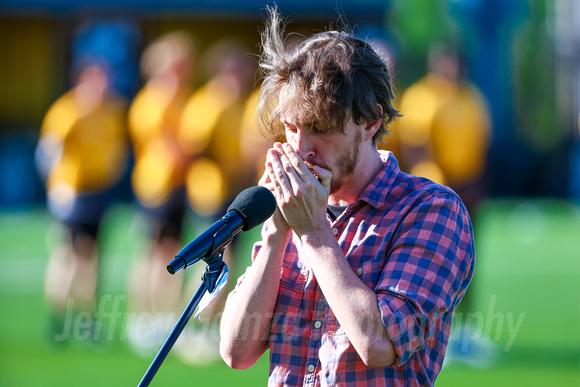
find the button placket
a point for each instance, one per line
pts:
(315, 340)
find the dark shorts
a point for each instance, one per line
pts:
(83, 213)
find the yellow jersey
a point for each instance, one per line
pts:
(160, 161)
(460, 136)
(211, 132)
(88, 150)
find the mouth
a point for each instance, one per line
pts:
(311, 168)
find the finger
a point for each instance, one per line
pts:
(277, 173)
(265, 179)
(268, 185)
(324, 176)
(302, 170)
(273, 185)
(291, 167)
(268, 181)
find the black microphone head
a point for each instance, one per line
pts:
(255, 205)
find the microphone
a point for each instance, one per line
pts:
(249, 209)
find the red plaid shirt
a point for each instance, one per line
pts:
(408, 239)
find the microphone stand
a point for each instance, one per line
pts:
(209, 278)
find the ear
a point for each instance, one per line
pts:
(371, 127)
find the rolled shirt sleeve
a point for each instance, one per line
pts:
(429, 265)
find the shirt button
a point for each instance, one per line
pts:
(335, 231)
(317, 324)
(359, 271)
(310, 368)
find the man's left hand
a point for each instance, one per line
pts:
(301, 197)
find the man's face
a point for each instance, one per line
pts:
(337, 152)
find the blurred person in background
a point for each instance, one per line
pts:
(211, 132)
(385, 49)
(253, 143)
(445, 130)
(82, 152)
(445, 135)
(461, 132)
(158, 181)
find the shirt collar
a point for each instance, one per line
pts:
(376, 192)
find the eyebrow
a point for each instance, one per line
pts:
(304, 125)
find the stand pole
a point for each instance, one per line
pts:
(210, 277)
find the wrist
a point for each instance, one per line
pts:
(313, 226)
(274, 233)
(317, 237)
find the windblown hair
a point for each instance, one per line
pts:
(326, 80)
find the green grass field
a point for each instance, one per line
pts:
(525, 304)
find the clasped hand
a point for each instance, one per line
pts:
(300, 196)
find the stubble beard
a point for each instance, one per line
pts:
(346, 164)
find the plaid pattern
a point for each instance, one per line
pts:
(411, 241)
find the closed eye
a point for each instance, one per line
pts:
(289, 127)
(315, 129)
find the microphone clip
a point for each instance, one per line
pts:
(212, 272)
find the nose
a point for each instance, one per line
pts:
(302, 142)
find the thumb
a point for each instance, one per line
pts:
(324, 176)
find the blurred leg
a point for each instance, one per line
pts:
(71, 282)
(165, 289)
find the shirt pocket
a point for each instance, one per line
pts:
(290, 298)
(369, 272)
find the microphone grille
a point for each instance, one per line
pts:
(255, 204)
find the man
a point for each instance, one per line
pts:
(361, 266)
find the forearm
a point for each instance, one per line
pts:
(353, 303)
(247, 316)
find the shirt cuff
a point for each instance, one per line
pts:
(403, 326)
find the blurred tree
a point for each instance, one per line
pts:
(538, 125)
(419, 23)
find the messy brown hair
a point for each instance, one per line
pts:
(326, 80)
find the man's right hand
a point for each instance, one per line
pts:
(276, 223)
